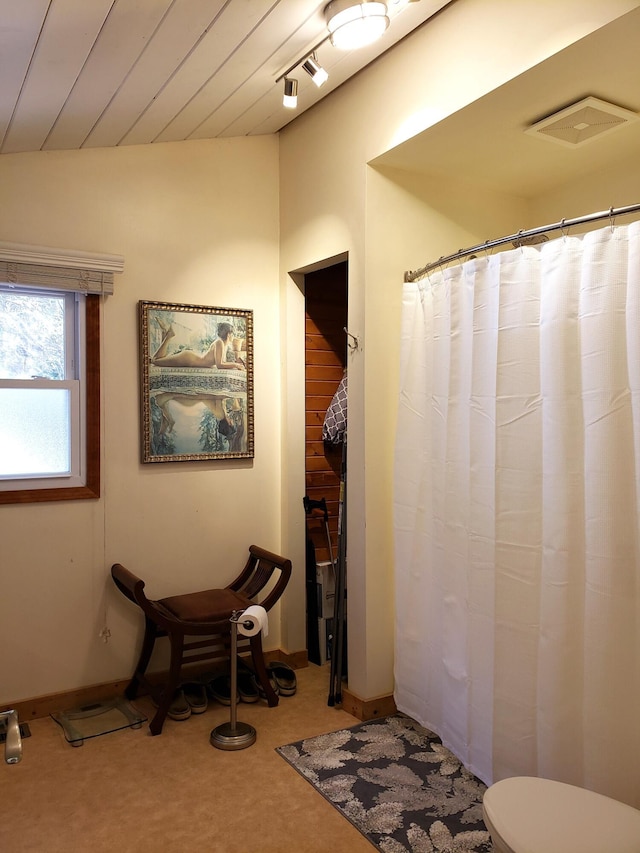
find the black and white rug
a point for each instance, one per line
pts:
(397, 784)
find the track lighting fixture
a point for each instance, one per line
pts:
(352, 25)
(315, 70)
(290, 97)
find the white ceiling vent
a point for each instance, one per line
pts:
(581, 122)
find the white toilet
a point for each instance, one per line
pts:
(525, 814)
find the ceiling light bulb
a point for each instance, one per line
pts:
(290, 97)
(352, 25)
(315, 71)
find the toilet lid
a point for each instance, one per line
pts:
(532, 815)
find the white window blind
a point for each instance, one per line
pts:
(41, 266)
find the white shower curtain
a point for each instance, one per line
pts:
(516, 511)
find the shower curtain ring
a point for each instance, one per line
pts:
(611, 219)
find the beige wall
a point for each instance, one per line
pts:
(197, 223)
(332, 203)
(617, 185)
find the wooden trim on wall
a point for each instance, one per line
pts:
(43, 706)
(367, 709)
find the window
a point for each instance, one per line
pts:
(47, 396)
(50, 373)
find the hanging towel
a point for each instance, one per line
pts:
(335, 421)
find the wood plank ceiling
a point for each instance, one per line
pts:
(101, 73)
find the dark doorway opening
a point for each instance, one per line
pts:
(326, 308)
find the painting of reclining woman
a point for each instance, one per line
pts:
(197, 382)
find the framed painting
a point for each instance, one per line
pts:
(196, 382)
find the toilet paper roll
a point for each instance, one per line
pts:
(253, 620)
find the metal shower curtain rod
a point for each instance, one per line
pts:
(414, 275)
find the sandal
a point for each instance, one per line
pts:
(179, 709)
(284, 677)
(272, 682)
(196, 696)
(220, 688)
(247, 687)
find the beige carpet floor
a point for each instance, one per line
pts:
(130, 792)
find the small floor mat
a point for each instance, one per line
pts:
(397, 784)
(99, 718)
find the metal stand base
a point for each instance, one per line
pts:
(225, 736)
(233, 735)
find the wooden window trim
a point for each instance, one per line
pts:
(92, 386)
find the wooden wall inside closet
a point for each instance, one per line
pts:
(326, 301)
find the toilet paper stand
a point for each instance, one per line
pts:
(234, 735)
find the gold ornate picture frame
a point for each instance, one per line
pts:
(196, 382)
